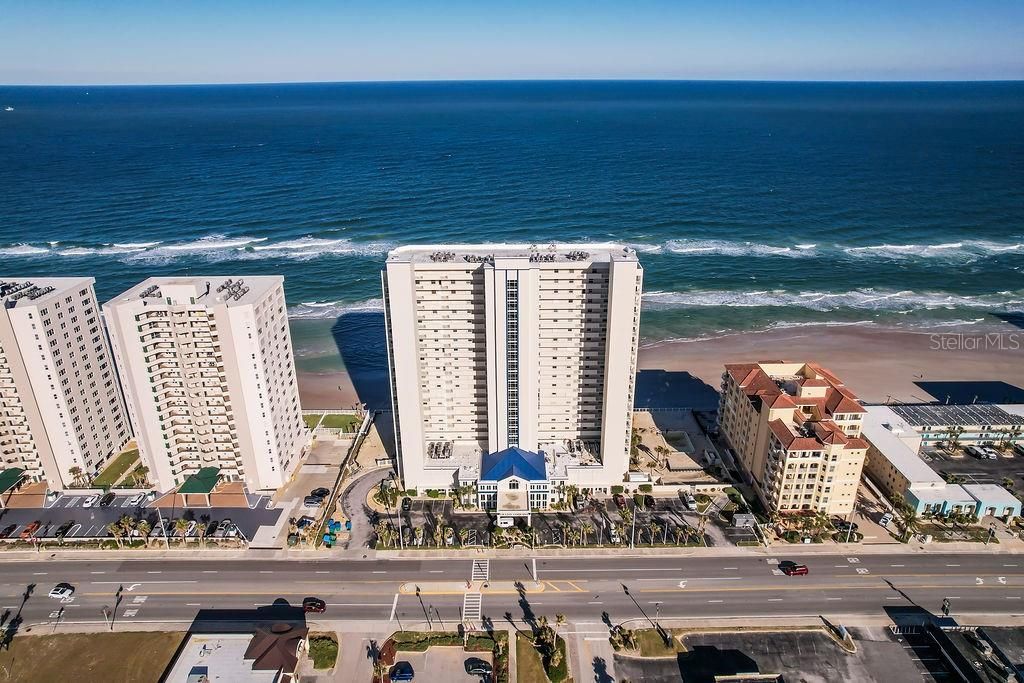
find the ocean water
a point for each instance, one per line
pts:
(753, 205)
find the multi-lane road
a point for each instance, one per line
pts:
(582, 588)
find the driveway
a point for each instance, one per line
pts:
(353, 503)
(443, 664)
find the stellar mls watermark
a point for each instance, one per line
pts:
(989, 341)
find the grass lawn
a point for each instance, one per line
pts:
(323, 650)
(943, 533)
(311, 420)
(529, 668)
(347, 423)
(118, 466)
(89, 656)
(651, 644)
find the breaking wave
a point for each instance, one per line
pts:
(857, 299)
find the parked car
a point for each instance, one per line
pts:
(320, 492)
(1018, 448)
(64, 528)
(304, 521)
(689, 502)
(8, 530)
(790, 568)
(613, 536)
(228, 528)
(312, 501)
(211, 528)
(90, 501)
(30, 529)
(843, 525)
(478, 667)
(578, 503)
(406, 504)
(991, 453)
(648, 502)
(191, 529)
(62, 591)
(885, 519)
(136, 500)
(505, 522)
(315, 605)
(401, 671)
(620, 501)
(107, 499)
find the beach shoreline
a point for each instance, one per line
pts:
(877, 363)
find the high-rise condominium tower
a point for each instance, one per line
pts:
(513, 361)
(60, 404)
(206, 364)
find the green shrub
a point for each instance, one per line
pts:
(323, 650)
(433, 493)
(646, 488)
(617, 490)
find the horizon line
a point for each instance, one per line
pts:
(407, 81)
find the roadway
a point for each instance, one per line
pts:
(585, 589)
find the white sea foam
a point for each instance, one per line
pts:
(22, 250)
(732, 248)
(332, 309)
(965, 250)
(859, 299)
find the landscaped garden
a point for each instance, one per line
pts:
(117, 467)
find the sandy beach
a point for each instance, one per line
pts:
(877, 363)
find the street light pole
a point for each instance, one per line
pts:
(632, 531)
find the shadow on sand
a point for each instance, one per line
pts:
(973, 392)
(362, 344)
(663, 389)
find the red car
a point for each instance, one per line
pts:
(315, 605)
(30, 529)
(793, 569)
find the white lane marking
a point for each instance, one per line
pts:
(97, 572)
(631, 569)
(209, 571)
(379, 571)
(156, 572)
(358, 604)
(266, 571)
(394, 606)
(191, 604)
(894, 598)
(774, 599)
(732, 568)
(833, 598)
(952, 565)
(437, 571)
(322, 571)
(1013, 597)
(38, 573)
(1009, 565)
(99, 583)
(595, 603)
(897, 565)
(716, 601)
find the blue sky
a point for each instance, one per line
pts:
(87, 42)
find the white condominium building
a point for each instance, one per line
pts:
(60, 403)
(206, 364)
(796, 430)
(495, 347)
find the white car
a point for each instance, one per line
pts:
(613, 536)
(91, 501)
(886, 518)
(62, 591)
(505, 522)
(991, 453)
(135, 500)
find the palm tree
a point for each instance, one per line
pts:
(419, 535)
(463, 536)
(144, 528)
(141, 475)
(181, 527)
(115, 530)
(588, 530)
(653, 528)
(76, 475)
(679, 532)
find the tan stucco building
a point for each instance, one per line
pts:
(795, 429)
(60, 403)
(512, 346)
(207, 367)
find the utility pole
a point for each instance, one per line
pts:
(632, 531)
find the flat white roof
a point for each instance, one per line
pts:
(37, 291)
(951, 493)
(220, 657)
(234, 290)
(602, 252)
(877, 427)
(992, 494)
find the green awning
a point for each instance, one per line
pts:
(202, 481)
(10, 478)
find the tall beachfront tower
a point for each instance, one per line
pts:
(61, 404)
(206, 364)
(796, 430)
(513, 348)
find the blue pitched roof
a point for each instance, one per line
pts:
(513, 462)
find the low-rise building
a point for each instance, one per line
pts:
(795, 429)
(945, 424)
(894, 465)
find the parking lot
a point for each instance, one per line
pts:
(976, 470)
(443, 663)
(595, 521)
(91, 522)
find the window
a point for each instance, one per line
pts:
(513, 485)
